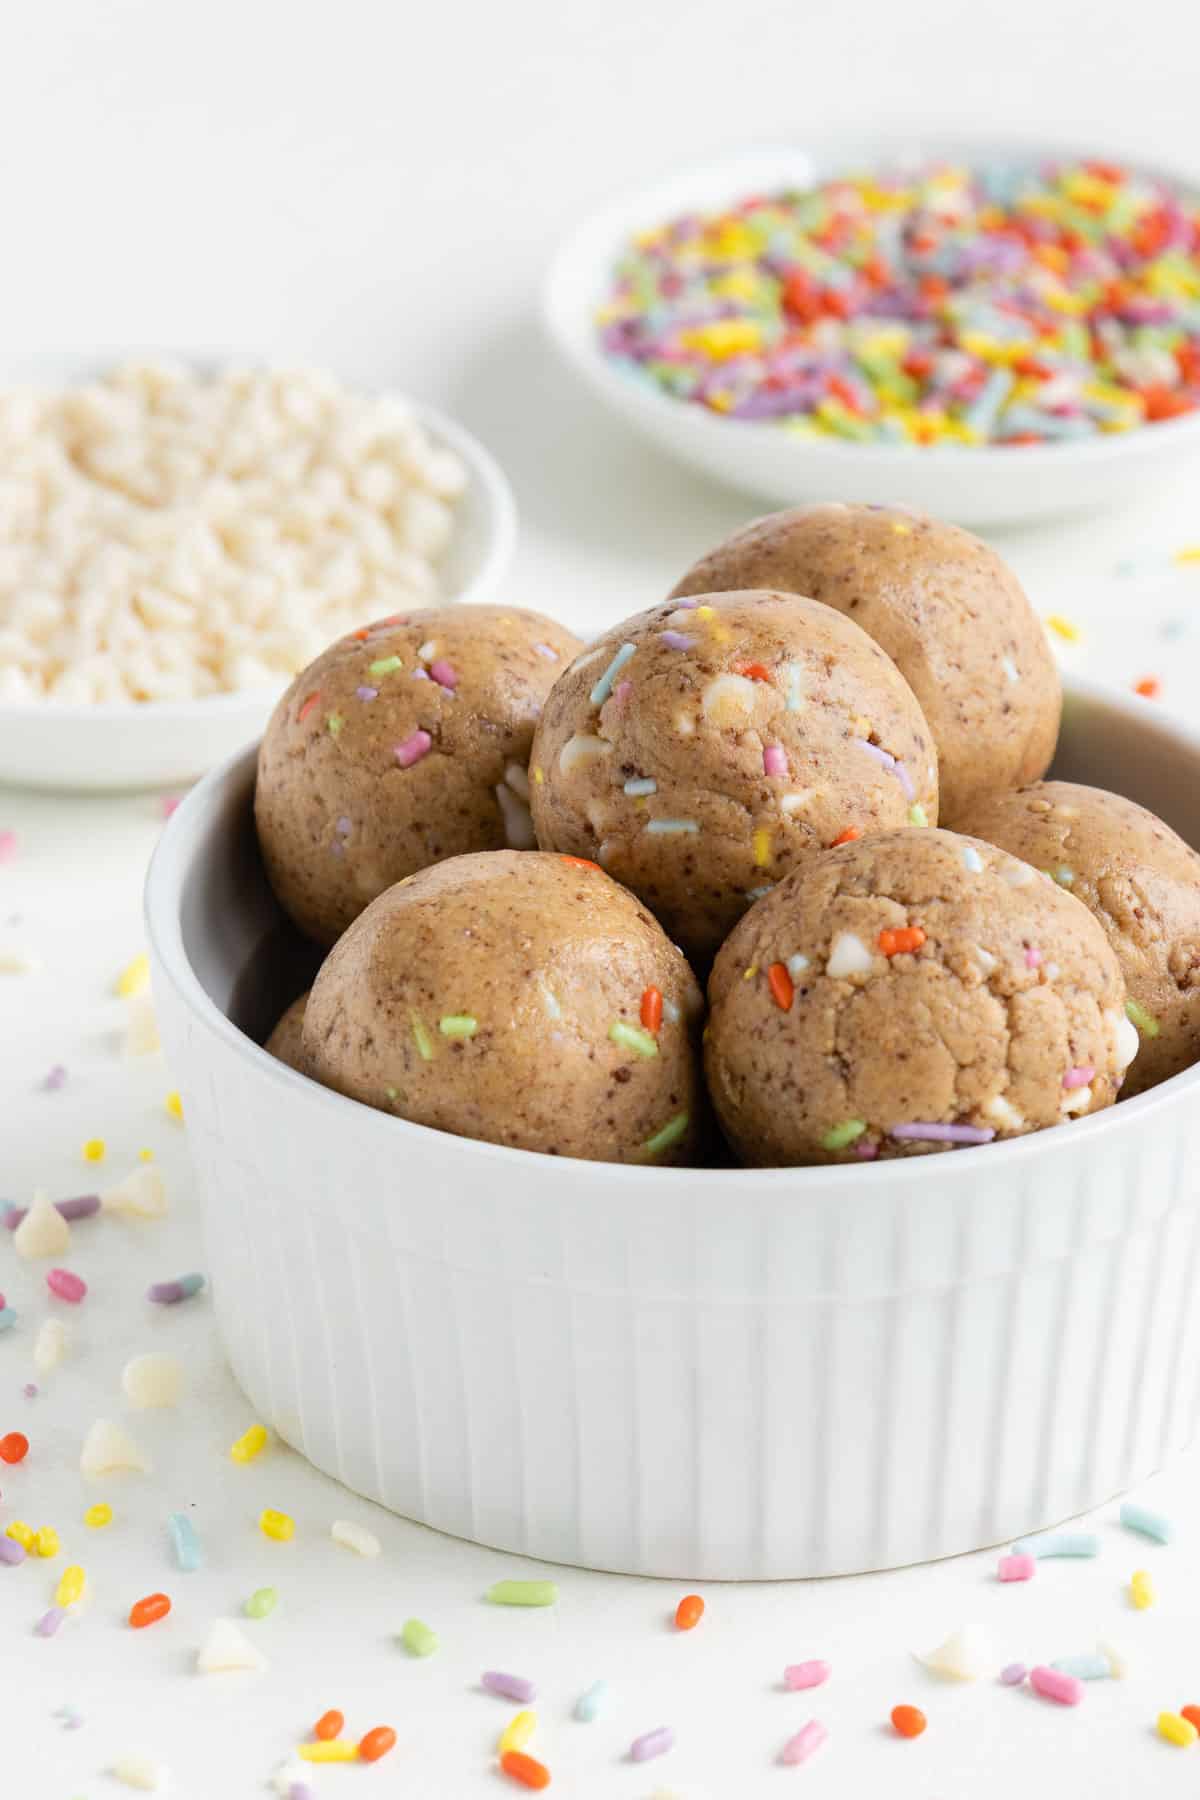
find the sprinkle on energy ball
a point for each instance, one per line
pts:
(1004, 304)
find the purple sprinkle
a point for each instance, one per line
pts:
(881, 756)
(946, 1134)
(367, 693)
(1014, 1674)
(1079, 1076)
(893, 764)
(30, 1390)
(444, 673)
(1033, 957)
(49, 1622)
(509, 1687)
(300, 1790)
(906, 781)
(83, 1206)
(677, 640)
(420, 674)
(547, 652)
(413, 749)
(652, 1743)
(170, 1293)
(11, 1552)
(774, 760)
(54, 1079)
(343, 827)
(686, 605)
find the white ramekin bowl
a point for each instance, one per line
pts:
(163, 743)
(988, 485)
(696, 1373)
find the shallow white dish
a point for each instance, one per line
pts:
(972, 486)
(711, 1373)
(164, 743)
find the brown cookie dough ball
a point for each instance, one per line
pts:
(401, 745)
(699, 751)
(950, 614)
(284, 1041)
(1143, 885)
(906, 993)
(521, 998)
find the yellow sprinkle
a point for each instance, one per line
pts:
(538, 777)
(249, 1445)
(45, 1541)
(71, 1587)
(722, 339)
(719, 400)
(1141, 1589)
(145, 1156)
(901, 529)
(134, 977)
(1176, 1729)
(762, 847)
(750, 973)
(706, 612)
(20, 1533)
(517, 1732)
(174, 1105)
(94, 1150)
(98, 1515)
(730, 242)
(739, 284)
(1189, 554)
(277, 1525)
(328, 1750)
(1063, 628)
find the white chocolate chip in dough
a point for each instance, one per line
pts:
(1077, 1100)
(518, 820)
(728, 701)
(1125, 1038)
(1004, 1113)
(848, 956)
(792, 803)
(581, 749)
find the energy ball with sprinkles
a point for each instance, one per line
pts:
(918, 1020)
(401, 745)
(704, 748)
(948, 611)
(502, 996)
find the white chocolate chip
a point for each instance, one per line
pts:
(517, 778)
(108, 1447)
(152, 1380)
(50, 1346)
(987, 962)
(1017, 874)
(227, 1647)
(963, 1656)
(1125, 1039)
(43, 1231)
(848, 956)
(141, 1027)
(355, 1537)
(728, 701)
(1076, 1100)
(518, 820)
(1004, 1113)
(796, 965)
(142, 1195)
(790, 803)
(580, 749)
(137, 1770)
(685, 725)
(1010, 668)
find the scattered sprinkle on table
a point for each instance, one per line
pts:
(261, 1602)
(592, 1703)
(1176, 1729)
(1058, 1543)
(277, 1525)
(509, 1687)
(522, 1593)
(805, 1744)
(525, 1769)
(806, 1674)
(355, 1537)
(652, 1743)
(689, 1612)
(908, 1721)
(1054, 1685)
(1141, 1589)
(417, 1638)
(252, 1443)
(1149, 1524)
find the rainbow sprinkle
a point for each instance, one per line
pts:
(1006, 304)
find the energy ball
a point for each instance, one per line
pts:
(950, 614)
(285, 1041)
(907, 993)
(701, 749)
(1140, 881)
(401, 745)
(521, 998)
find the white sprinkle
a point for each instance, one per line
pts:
(796, 965)
(355, 1537)
(138, 1770)
(1004, 1113)
(108, 1447)
(580, 749)
(227, 1647)
(670, 827)
(516, 777)
(50, 1346)
(792, 676)
(1125, 1038)
(586, 660)
(153, 1380)
(1076, 1100)
(644, 785)
(790, 803)
(1117, 1663)
(1065, 877)
(1050, 971)
(518, 820)
(44, 1232)
(670, 1011)
(728, 701)
(1010, 668)
(142, 1195)
(963, 1657)
(972, 859)
(849, 956)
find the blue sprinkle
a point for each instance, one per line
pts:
(1085, 1668)
(184, 1541)
(191, 1284)
(8, 1318)
(1150, 1524)
(1059, 1543)
(604, 686)
(589, 1706)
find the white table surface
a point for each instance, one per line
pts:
(380, 192)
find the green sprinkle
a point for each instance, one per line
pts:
(843, 1134)
(1146, 1023)
(458, 1025)
(632, 1037)
(422, 1038)
(335, 722)
(392, 1093)
(917, 814)
(385, 665)
(523, 1593)
(261, 1602)
(418, 1639)
(670, 1134)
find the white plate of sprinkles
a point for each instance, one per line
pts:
(179, 537)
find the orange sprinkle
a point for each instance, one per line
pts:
(360, 637)
(652, 1008)
(690, 1610)
(148, 1611)
(909, 1721)
(377, 1743)
(753, 671)
(846, 837)
(782, 989)
(1191, 1714)
(904, 938)
(307, 706)
(581, 862)
(329, 1725)
(1149, 687)
(525, 1769)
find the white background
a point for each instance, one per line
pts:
(378, 188)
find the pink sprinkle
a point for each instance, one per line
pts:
(866, 1149)
(1017, 1567)
(8, 846)
(30, 1389)
(805, 1744)
(169, 804)
(66, 1285)
(945, 1134)
(367, 693)
(677, 640)
(1033, 957)
(806, 1674)
(413, 749)
(1055, 1685)
(1079, 1076)
(622, 692)
(54, 1079)
(444, 673)
(774, 760)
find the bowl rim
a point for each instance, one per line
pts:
(168, 872)
(499, 503)
(592, 241)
